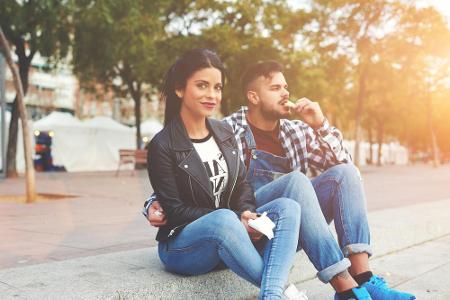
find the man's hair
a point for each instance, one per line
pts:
(261, 68)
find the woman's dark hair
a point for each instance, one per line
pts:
(178, 74)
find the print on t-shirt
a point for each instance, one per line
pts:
(217, 175)
(215, 165)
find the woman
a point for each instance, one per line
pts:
(197, 175)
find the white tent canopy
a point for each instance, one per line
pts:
(92, 145)
(102, 122)
(108, 136)
(150, 127)
(56, 120)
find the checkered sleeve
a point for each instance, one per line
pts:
(147, 204)
(240, 139)
(325, 148)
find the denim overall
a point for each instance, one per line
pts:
(263, 167)
(271, 177)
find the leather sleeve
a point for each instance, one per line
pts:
(161, 169)
(243, 197)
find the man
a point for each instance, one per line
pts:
(278, 153)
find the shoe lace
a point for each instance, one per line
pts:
(378, 281)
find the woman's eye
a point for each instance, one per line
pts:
(202, 85)
(219, 88)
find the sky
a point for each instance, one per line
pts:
(442, 5)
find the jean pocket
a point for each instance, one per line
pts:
(269, 175)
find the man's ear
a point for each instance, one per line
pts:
(252, 97)
(179, 93)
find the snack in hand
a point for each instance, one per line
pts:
(263, 224)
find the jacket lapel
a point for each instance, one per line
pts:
(191, 164)
(230, 154)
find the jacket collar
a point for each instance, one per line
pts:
(180, 138)
(181, 142)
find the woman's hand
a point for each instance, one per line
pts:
(156, 215)
(254, 235)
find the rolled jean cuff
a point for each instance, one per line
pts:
(357, 248)
(328, 273)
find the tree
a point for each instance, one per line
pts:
(32, 27)
(29, 170)
(352, 28)
(425, 67)
(242, 33)
(115, 45)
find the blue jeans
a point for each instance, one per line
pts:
(221, 237)
(341, 196)
(335, 194)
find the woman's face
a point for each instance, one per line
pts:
(202, 93)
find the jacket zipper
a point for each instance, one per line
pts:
(234, 182)
(175, 228)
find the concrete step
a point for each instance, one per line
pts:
(138, 274)
(423, 270)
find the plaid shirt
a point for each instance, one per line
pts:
(305, 148)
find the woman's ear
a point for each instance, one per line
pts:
(179, 93)
(252, 97)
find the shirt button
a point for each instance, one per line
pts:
(234, 152)
(186, 166)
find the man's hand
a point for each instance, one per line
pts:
(156, 215)
(309, 112)
(254, 235)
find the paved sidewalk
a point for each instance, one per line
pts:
(402, 248)
(103, 223)
(105, 217)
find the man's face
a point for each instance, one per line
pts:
(272, 93)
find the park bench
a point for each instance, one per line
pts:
(131, 156)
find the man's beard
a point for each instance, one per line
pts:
(274, 115)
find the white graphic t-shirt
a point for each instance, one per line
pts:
(215, 165)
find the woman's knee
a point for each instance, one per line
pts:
(225, 224)
(287, 206)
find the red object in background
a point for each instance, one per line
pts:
(40, 148)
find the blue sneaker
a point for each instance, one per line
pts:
(360, 292)
(379, 290)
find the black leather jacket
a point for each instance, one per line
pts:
(181, 183)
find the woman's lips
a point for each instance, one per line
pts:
(209, 105)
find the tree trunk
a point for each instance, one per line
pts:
(358, 116)
(24, 66)
(11, 151)
(380, 138)
(433, 140)
(29, 169)
(137, 114)
(370, 137)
